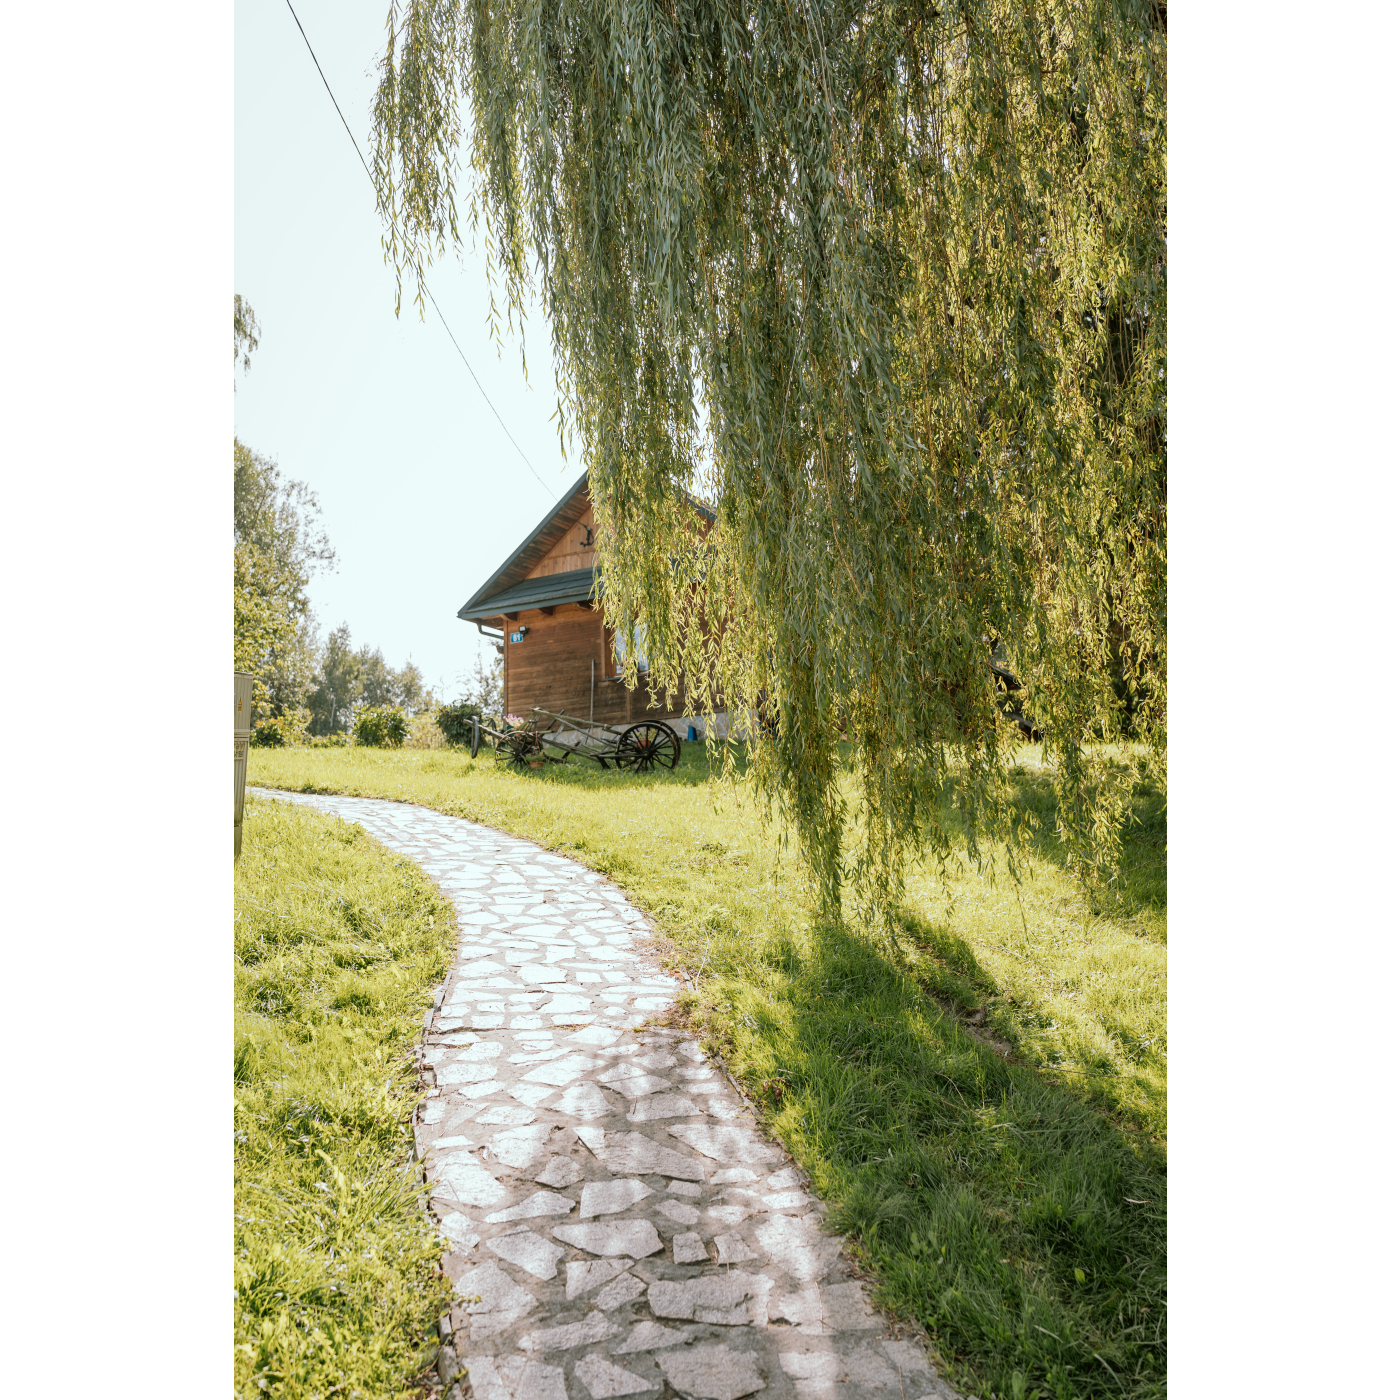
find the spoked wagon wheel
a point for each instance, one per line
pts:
(648, 745)
(519, 747)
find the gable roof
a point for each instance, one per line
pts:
(527, 555)
(511, 588)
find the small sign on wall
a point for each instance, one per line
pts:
(518, 636)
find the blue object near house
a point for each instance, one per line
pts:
(690, 732)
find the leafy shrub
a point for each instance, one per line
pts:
(280, 731)
(423, 731)
(455, 721)
(381, 727)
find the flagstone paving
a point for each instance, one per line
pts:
(614, 1221)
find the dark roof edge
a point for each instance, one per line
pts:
(572, 586)
(485, 590)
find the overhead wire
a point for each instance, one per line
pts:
(421, 282)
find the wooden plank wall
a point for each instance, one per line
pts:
(550, 668)
(571, 552)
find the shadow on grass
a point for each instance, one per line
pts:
(1024, 1229)
(581, 771)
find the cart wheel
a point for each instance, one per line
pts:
(648, 745)
(476, 735)
(519, 747)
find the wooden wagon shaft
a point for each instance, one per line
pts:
(579, 726)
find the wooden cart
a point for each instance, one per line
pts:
(632, 748)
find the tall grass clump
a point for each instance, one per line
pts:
(337, 947)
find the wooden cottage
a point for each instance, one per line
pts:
(558, 653)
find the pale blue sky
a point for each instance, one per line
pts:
(421, 492)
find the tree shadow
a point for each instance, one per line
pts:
(1022, 1227)
(693, 769)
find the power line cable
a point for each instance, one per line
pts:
(421, 282)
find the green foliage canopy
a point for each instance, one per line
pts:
(277, 547)
(883, 280)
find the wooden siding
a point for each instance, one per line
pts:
(550, 668)
(571, 552)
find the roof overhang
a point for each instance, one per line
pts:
(575, 586)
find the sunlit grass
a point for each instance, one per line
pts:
(337, 946)
(985, 1109)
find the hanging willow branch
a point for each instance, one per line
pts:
(887, 284)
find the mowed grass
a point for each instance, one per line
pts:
(984, 1108)
(338, 945)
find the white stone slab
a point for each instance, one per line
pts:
(622, 1290)
(561, 1072)
(558, 1005)
(713, 1372)
(484, 967)
(788, 1200)
(688, 1249)
(459, 1073)
(584, 1275)
(732, 1299)
(678, 1211)
(594, 1328)
(583, 1100)
(725, 1109)
(649, 1336)
(635, 1237)
(467, 1182)
(504, 1113)
(539, 1057)
(731, 1249)
(634, 1154)
(728, 1216)
(514, 1378)
(659, 1106)
(528, 1251)
(458, 1229)
(559, 1172)
(518, 1147)
(842, 1307)
(732, 1146)
(604, 1381)
(500, 1300)
(532, 1094)
(797, 1247)
(596, 1035)
(532, 1207)
(632, 1081)
(609, 1197)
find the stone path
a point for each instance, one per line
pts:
(615, 1223)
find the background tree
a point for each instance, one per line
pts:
(485, 687)
(886, 282)
(382, 685)
(339, 685)
(245, 333)
(277, 547)
(349, 679)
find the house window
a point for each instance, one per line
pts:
(639, 640)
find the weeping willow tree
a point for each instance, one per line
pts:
(886, 283)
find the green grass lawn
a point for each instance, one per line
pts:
(338, 945)
(985, 1109)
